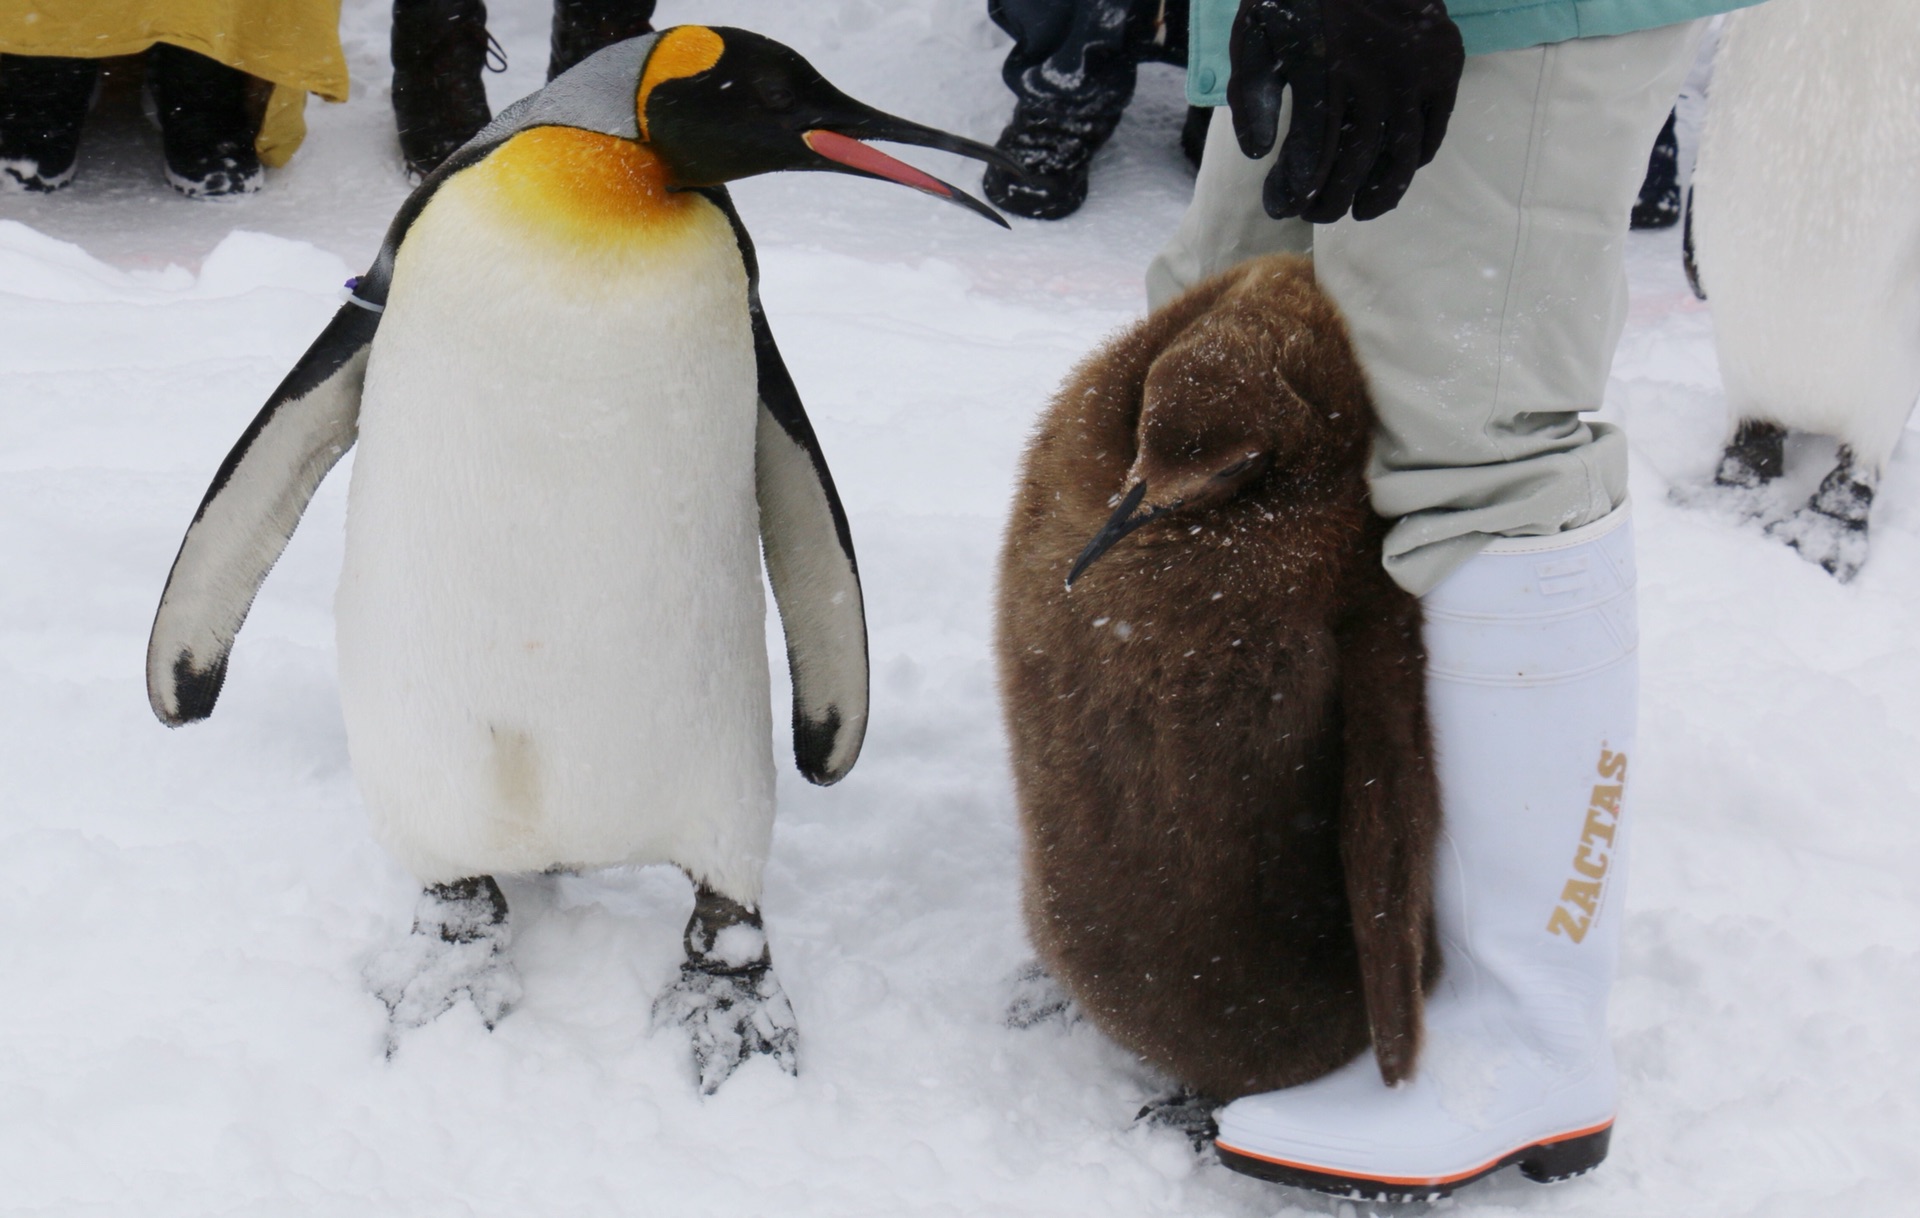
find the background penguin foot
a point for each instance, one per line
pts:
(458, 946)
(1831, 529)
(1186, 1111)
(727, 997)
(1745, 482)
(1735, 505)
(1756, 456)
(1034, 997)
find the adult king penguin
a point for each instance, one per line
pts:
(1806, 222)
(574, 425)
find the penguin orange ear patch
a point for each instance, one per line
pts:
(684, 50)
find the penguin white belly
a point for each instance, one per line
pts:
(1806, 225)
(550, 617)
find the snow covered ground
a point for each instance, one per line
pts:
(184, 916)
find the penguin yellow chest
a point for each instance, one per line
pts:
(550, 618)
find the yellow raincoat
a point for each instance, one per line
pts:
(293, 44)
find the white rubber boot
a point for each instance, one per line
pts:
(1531, 687)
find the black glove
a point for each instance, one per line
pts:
(1373, 83)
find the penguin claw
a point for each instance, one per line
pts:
(730, 1015)
(1831, 529)
(1732, 503)
(1036, 998)
(1838, 547)
(458, 948)
(1186, 1112)
(419, 981)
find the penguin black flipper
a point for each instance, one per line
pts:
(261, 490)
(815, 578)
(809, 555)
(310, 421)
(249, 513)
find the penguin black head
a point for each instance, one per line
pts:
(716, 104)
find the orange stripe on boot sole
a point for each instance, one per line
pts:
(1420, 1181)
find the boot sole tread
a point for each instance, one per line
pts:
(1548, 1161)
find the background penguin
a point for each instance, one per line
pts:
(574, 426)
(1219, 732)
(1806, 232)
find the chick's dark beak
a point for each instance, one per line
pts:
(842, 144)
(1125, 519)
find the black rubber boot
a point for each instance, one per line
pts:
(1659, 202)
(206, 126)
(440, 49)
(1055, 149)
(43, 101)
(1072, 71)
(581, 27)
(1193, 133)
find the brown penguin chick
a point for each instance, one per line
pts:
(1219, 731)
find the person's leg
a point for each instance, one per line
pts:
(1486, 310)
(1478, 376)
(581, 27)
(1532, 680)
(1071, 71)
(1073, 57)
(1659, 203)
(43, 100)
(1224, 224)
(206, 125)
(439, 95)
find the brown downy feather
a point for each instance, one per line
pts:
(1219, 732)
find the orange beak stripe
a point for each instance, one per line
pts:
(868, 159)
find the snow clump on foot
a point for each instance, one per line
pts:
(1838, 546)
(1832, 529)
(1034, 997)
(730, 1014)
(458, 947)
(1187, 1113)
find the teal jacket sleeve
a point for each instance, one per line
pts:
(1485, 26)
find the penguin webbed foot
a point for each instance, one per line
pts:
(1743, 486)
(1831, 530)
(728, 997)
(1186, 1112)
(1034, 998)
(1756, 455)
(458, 947)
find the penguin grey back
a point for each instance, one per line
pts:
(1219, 735)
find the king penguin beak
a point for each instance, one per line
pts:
(841, 142)
(1125, 519)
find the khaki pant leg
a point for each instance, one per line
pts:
(1225, 223)
(1486, 308)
